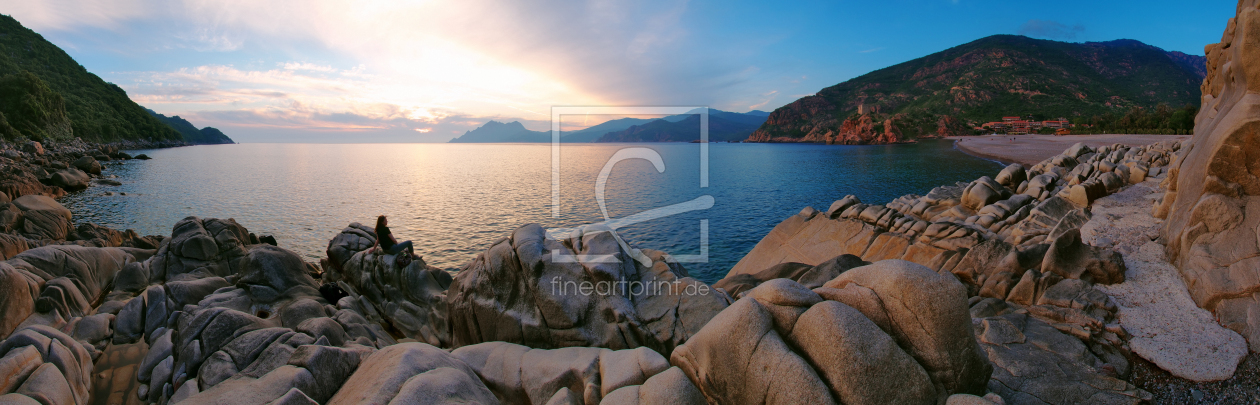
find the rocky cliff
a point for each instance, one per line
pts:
(859, 129)
(1212, 204)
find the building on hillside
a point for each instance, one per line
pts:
(997, 126)
(1061, 123)
(1021, 126)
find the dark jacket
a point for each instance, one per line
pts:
(384, 237)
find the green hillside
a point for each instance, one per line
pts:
(1001, 75)
(97, 111)
(29, 109)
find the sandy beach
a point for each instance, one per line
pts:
(1031, 149)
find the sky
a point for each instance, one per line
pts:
(426, 71)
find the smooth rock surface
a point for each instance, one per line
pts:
(786, 343)
(1155, 308)
(1212, 202)
(517, 291)
(391, 372)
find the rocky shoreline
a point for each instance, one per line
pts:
(1111, 274)
(994, 291)
(1030, 149)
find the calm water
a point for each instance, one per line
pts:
(454, 200)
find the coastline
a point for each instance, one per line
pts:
(436, 311)
(1029, 150)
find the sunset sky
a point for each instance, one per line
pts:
(426, 71)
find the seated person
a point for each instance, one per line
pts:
(386, 240)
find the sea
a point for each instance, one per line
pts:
(705, 204)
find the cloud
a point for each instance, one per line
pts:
(336, 63)
(70, 15)
(872, 50)
(770, 96)
(308, 66)
(1050, 29)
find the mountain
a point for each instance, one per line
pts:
(1194, 63)
(204, 136)
(594, 132)
(754, 117)
(495, 131)
(1003, 75)
(723, 126)
(47, 95)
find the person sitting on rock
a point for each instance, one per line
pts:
(386, 241)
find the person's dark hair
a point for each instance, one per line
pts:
(380, 222)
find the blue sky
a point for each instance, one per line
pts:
(426, 71)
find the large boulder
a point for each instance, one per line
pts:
(277, 268)
(520, 375)
(70, 179)
(1212, 204)
(96, 235)
(583, 289)
(20, 180)
(736, 285)
(239, 331)
(73, 278)
(199, 247)
(43, 217)
(410, 295)
(1012, 175)
(892, 332)
(1034, 363)
(414, 373)
(1068, 257)
(88, 164)
(668, 387)
(230, 321)
(93, 269)
(18, 292)
(286, 384)
(33, 148)
(46, 365)
(10, 217)
(982, 192)
(11, 245)
(353, 239)
(927, 314)
(809, 276)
